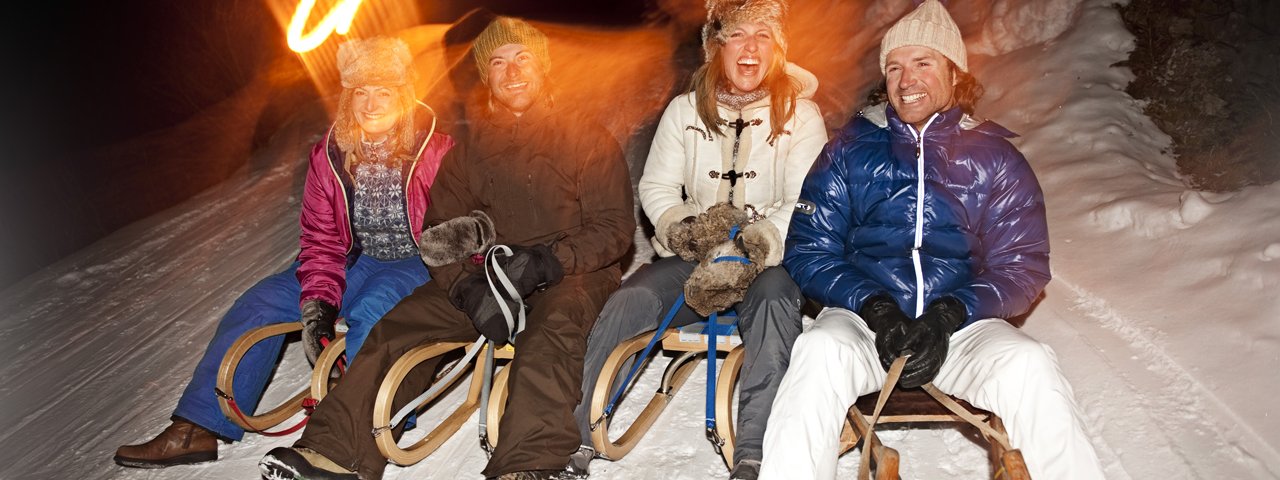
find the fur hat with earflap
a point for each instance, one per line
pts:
(382, 62)
(723, 16)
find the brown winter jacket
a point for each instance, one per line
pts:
(549, 176)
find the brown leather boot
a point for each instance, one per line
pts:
(181, 443)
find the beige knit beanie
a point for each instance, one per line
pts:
(724, 15)
(379, 61)
(929, 25)
(505, 30)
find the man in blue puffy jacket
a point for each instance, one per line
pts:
(921, 230)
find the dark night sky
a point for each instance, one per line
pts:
(81, 76)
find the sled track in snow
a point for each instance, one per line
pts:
(1183, 399)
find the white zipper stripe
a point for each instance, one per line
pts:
(919, 227)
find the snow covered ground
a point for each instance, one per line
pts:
(1163, 308)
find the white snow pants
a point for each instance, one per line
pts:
(991, 364)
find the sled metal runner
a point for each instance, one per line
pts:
(319, 386)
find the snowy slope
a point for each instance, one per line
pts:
(1162, 309)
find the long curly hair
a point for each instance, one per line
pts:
(347, 129)
(782, 88)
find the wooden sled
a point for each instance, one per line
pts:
(320, 378)
(674, 377)
(382, 408)
(921, 405)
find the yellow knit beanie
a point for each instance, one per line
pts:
(929, 25)
(506, 30)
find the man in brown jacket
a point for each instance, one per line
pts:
(552, 184)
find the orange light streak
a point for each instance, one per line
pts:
(338, 20)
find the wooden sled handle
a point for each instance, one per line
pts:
(227, 372)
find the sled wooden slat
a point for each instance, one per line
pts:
(615, 450)
(321, 381)
(227, 372)
(383, 408)
(917, 406)
(725, 387)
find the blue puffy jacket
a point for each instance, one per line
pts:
(978, 233)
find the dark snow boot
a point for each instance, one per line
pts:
(530, 475)
(284, 463)
(579, 464)
(181, 443)
(745, 470)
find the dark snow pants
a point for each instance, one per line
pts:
(768, 321)
(538, 431)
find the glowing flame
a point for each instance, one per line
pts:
(337, 21)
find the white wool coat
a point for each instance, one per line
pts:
(687, 157)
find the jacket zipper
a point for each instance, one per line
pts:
(919, 227)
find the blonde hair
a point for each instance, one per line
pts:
(783, 89)
(347, 130)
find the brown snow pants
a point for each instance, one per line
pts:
(538, 430)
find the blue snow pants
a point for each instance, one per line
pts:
(373, 287)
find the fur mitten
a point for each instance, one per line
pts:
(707, 231)
(457, 239)
(717, 285)
(756, 241)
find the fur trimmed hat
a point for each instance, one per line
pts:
(507, 30)
(929, 25)
(382, 61)
(724, 15)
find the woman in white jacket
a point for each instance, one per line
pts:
(746, 136)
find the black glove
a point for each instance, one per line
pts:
(928, 340)
(472, 296)
(885, 318)
(318, 317)
(528, 268)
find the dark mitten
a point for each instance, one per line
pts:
(318, 317)
(680, 239)
(527, 268)
(457, 239)
(886, 319)
(531, 268)
(715, 286)
(928, 340)
(472, 296)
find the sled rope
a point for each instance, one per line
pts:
(515, 324)
(712, 325)
(308, 404)
(961, 412)
(890, 381)
(640, 361)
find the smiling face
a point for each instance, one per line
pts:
(746, 56)
(377, 109)
(516, 78)
(920, 83)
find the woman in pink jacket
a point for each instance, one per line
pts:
(362, 212)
